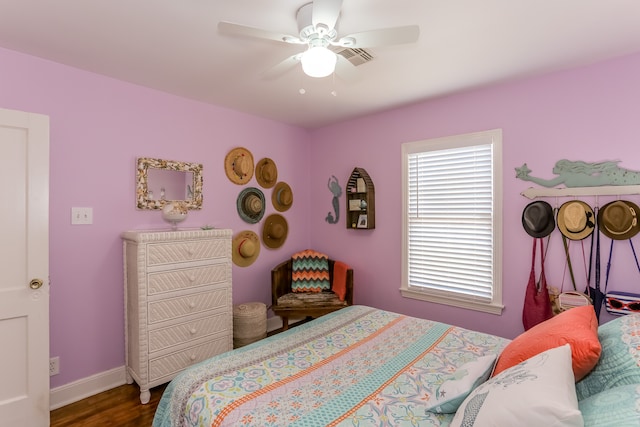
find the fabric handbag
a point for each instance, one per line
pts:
(594, 292)
(570, 299)
(619, 303)
(537, 306)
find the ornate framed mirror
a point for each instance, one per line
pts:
(160, 181)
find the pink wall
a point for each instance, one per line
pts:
(99, 126)
(588, 114)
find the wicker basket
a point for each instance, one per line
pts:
(249, 323)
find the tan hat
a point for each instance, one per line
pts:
(619, 220)
(245, 248)
(266, 173)
(282, 197)
(274, 231)
(576, 220)
(251, 205)
(238, 165)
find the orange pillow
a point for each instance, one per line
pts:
(577, 327)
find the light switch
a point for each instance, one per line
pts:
(81, 216)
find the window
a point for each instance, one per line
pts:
(452, 217)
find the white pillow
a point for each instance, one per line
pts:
(456, 386)
(537, 392)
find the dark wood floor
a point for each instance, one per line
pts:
(119, 407)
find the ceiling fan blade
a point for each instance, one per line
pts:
(326, 12)
(384, 37)
(346, 71)
(231, 29)
(282, 67)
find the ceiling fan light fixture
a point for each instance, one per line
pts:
(318, 61)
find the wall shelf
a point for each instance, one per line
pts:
(361, 201)
(606, 190)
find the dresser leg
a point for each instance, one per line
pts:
(145, 396)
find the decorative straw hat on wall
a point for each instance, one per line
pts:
(251, 205)
(238, 165)
(245, 248)
(266, 173)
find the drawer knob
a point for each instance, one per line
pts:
(192, 278)
(192, 304)
(193, 331)
(190, 252)
(193, 357)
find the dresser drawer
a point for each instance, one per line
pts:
(186, 278)
(173, 363)
(171, 308)
(159, 339)
(188, 250)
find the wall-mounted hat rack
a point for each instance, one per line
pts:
(605, 190)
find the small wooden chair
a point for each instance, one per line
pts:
(286, 303)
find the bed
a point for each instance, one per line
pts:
(362, 366)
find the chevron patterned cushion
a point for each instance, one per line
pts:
(310, 272)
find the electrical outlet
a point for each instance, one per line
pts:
(54, 366)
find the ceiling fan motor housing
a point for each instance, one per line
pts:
(307, 31)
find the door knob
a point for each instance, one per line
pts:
(35, 283)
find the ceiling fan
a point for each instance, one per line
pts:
(317, 23)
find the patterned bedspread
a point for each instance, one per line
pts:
(355, 367)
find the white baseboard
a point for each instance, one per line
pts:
(85, 387)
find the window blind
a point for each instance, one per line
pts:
(450, 221)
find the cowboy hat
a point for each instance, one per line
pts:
(537, 219)
(618, 220)
(274, 231)
(576, 220)
(245, 248)
(282, 197)
(251, 205)
(238, 165)
(266, 173)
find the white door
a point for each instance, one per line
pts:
(24, 259)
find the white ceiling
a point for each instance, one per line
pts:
(174, 46)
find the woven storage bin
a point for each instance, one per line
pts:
(249, 323)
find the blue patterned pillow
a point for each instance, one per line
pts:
(619, 362)
(616, 407)
(457, 386)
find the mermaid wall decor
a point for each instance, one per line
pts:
(582, 174)
(336, 190)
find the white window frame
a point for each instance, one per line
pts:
(451, 297)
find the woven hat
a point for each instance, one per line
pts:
(274, 231)
(537, 219)
(238, 165)
(245, 248)
(251, 205)
(619, 220)
(282, 197)
(266, 173)
(576, 220)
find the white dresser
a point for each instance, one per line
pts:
(178, 306)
